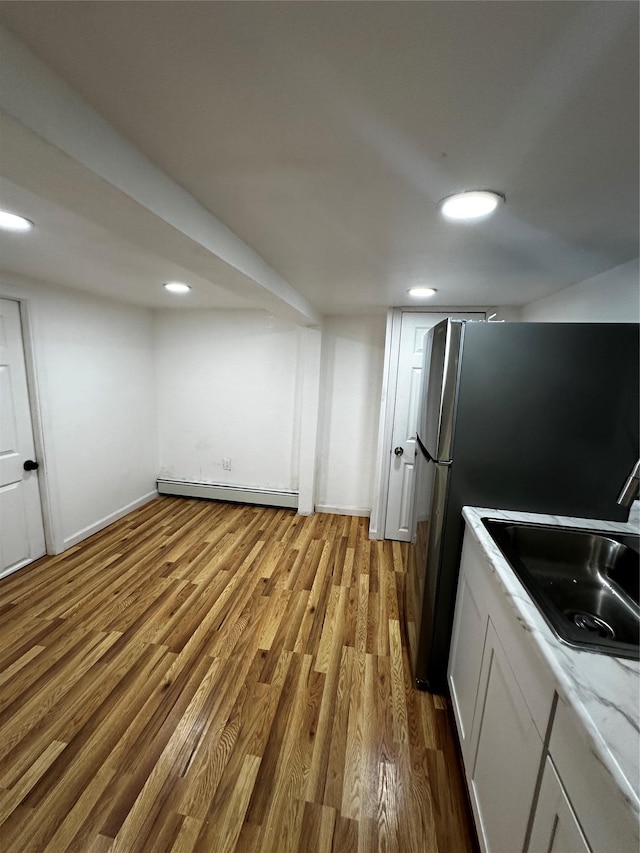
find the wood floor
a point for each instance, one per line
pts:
(212, 677)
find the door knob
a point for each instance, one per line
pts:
(30, 465)
(398, 451)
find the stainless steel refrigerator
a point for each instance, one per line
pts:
(542, 417)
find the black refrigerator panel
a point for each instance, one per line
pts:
(435, 586)
(547, 417)
(432, 658)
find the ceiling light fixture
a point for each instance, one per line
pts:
(13, 222)
(177, 287)
(422, 292)
(473, 204)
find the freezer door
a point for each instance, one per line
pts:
(440, 377)
(415, 581)
(429, 575)
(435, 575)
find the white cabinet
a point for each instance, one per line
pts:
(467, 646)
(503, 773)
(555, 826)
(525, 798)
(501, 746)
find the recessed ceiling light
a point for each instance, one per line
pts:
(13, 222)
(470, 205)
(422, 292)
(177, 287)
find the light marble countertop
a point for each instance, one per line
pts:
(603, 691)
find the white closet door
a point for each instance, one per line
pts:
(21, 527)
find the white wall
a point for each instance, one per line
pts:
(611, 297)
(227, 388)
(308, 395)
(96, 392)
(352, 365)
(233, 384)
(126, 394)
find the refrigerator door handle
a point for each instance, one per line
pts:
(449, 394)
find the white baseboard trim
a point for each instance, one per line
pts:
(365, 512)
(374, 533)
(106, 521)
(225, 492)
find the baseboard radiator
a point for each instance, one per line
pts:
(225, 492)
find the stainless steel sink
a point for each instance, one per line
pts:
(584, 582)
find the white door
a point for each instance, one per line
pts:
(414, 326)
(21, 527)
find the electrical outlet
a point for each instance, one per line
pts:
(226, 463)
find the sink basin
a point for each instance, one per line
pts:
(584, 582)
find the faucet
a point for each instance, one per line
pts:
(631, 487)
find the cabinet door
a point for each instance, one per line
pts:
(507, 756)
(555, 826)
(605, 810)
(465, 661)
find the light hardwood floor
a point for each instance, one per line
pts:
(212, 677)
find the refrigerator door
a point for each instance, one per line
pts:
(440, 379)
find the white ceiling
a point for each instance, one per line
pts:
(323, 135)
(76, 252)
